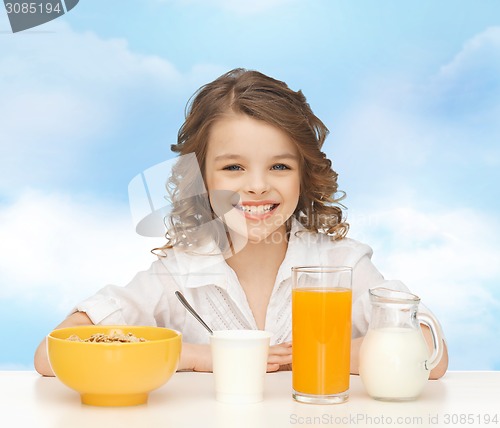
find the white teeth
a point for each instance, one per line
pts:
(256, 209)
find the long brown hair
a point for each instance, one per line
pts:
(263, 98)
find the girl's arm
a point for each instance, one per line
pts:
(41, 360)
(194, 357)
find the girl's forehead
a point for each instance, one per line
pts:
(244, 133)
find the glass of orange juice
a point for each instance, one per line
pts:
(321, 333)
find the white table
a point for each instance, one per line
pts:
(464, 399)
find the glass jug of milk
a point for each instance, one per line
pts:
(394, 361)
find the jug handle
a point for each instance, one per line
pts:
(437, 340)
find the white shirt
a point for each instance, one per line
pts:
(213, 289)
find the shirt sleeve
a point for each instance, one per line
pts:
(143, 301)
(356, 255)
(365, 276)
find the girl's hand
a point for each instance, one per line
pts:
(280, 357)
(195, 357)
(41, 361)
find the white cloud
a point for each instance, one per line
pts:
(450, 258)
(480, 53)
(457, 245)
(467, 89)
(58, 248)
(439, 135)
(68, 99)
(65, 93)
(473, 71)
(418, 160)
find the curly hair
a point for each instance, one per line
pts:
(263, 98)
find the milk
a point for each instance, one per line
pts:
(392, 363)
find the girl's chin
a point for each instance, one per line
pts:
(255, 235)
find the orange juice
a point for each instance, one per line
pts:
(321, 340)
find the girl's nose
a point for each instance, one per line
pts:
(257, 184)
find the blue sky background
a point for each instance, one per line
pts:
(409, 90)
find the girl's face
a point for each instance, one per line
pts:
(252, 173)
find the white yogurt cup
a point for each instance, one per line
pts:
(239, 359)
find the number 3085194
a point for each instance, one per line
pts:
(33, 7)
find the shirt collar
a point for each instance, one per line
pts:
(207, 266)
(299, 252)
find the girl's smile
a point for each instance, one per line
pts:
(259, 165)
(257, 210)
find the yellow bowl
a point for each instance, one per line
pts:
(114, 374)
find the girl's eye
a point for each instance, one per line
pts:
(280, 167)
(232, 168)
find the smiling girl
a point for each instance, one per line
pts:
(271, 205)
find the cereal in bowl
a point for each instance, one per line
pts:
(108, 338)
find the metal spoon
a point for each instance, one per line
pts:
(191, 310)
